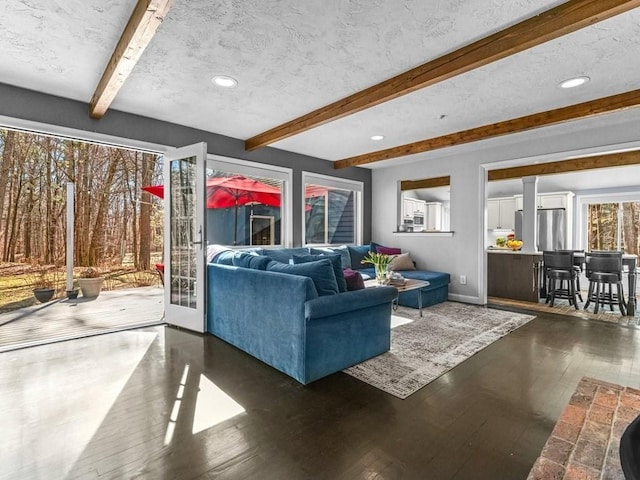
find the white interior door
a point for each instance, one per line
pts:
(184, 230)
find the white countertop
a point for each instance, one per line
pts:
(511, 252)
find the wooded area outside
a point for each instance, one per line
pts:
(603, 226)
(114, 218)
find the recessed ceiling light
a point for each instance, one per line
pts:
(224, 81)
(376, 138)
(574, 82)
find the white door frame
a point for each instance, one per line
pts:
(184, 243)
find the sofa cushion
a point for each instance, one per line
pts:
(343, 250)
(401, 262)
(435, 279)
(284, 255)
(249, 260)
(336, 263)
(353, 280)
(357, 254)
(321, 272)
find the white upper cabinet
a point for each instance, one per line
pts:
(549, 200)
(501, 213)
(552, 201)
(411, 206)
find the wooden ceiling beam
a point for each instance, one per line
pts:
(600, 106)
(142, 26)
(549, 25)
(425, 183)
(609, 160)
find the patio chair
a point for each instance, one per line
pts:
(160, 270)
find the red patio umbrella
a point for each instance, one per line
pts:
(227, 192)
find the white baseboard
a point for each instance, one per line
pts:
(465, 299)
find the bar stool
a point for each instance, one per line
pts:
(577, 266)
(604, 269)
(559, 268)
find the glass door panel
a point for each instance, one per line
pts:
(184, 229)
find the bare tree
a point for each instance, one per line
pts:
(110, 218)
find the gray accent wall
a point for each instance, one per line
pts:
(34, 106)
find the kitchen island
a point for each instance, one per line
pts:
(513, 275)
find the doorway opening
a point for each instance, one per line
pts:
(117, 230)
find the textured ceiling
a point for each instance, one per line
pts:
(291, 57)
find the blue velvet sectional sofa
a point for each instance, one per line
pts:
(273, 311)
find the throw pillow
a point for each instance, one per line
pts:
(353, 279)
(343, 250)
(389, 250)
(401, 262)
(214, 250)
(225, 257)
(336, 263)
(357, 254)
(321, 272)
(249, 260)
(376, 247)
(285, 255)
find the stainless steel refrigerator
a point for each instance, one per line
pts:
(551, 228)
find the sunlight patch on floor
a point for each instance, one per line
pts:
(397, 321)
(213, 406)
(30, 408)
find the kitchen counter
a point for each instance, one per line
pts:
(511, 252)
(514, 275)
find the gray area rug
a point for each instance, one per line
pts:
(424, 348)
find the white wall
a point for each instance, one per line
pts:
(463, 252)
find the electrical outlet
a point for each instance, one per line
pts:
(463, 279)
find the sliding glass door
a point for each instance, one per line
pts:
(614, 226)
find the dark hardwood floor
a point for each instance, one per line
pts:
(126, 405)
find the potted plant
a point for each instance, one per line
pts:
(380, 261)
(90, 281)
(43, 286)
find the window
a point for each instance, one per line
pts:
(332, 210)
(247, 203)
(614, 226)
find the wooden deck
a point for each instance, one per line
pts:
(65, 319)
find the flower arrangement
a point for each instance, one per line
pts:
(380, 261)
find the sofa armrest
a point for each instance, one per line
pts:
(329, 305)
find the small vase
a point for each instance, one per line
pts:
(381, 275)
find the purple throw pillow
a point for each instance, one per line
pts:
(389, 250)
(354, 279)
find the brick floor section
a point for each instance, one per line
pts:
(584, 443)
